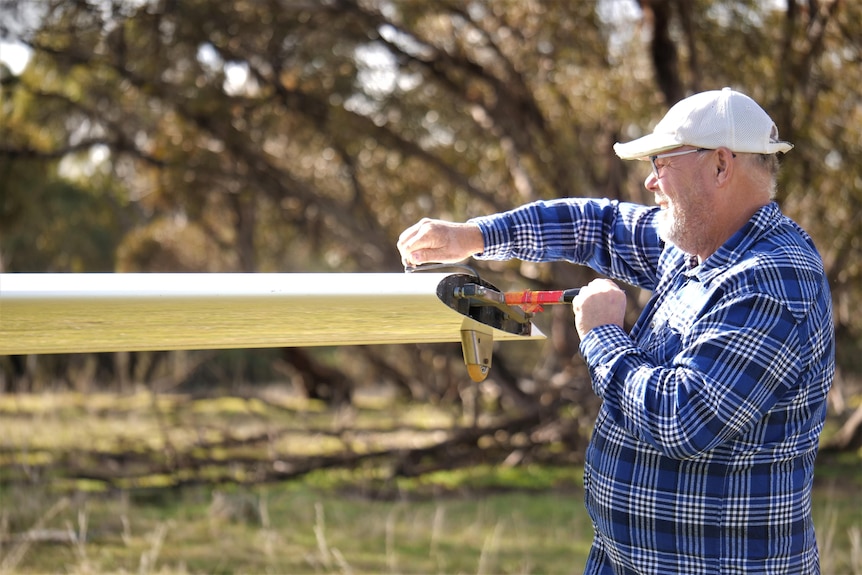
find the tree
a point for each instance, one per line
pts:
(291, 136)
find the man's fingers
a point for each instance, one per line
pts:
(411, 232)
(439, 241)
(409, 242)
(601, 302)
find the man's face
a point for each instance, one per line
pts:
(684, 199)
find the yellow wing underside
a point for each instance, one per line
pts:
(73, 313)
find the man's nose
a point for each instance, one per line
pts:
(651, 182)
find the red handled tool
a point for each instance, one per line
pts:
(533, 301)
(528, 301)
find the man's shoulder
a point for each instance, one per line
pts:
(787, 246)
(785, 265)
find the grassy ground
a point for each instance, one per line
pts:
(295, 529)
(482, 520)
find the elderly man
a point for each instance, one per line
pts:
(702, 456)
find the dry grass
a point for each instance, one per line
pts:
(300, 530)
(452, 522)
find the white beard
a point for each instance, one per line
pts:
(684, 230)
(668, 227)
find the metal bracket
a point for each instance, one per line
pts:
(480, 302)
(478, 348)
(479, 295)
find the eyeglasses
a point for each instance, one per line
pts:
(655, 167)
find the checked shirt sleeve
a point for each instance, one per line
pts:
(731, 367)
(614, 238)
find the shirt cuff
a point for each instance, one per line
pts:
(495, 234)
(601, 349)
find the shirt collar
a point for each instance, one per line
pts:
(762, 222)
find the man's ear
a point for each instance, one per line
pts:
(723, 166)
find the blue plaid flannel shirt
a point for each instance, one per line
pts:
(702, 456)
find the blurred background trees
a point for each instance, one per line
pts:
(303, 136)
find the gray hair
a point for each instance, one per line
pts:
(767, 170)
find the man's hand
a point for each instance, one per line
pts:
(601, 302)
(439, 241)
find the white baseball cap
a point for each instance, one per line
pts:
(714, 119)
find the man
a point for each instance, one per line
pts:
(702, 456)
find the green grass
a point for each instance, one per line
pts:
(484, 519)
(299, 529)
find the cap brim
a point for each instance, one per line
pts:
(653, 144)
(780, 146)
(648, 145)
